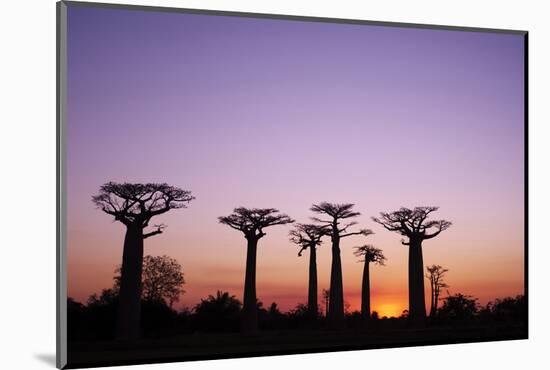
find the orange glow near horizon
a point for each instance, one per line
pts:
(389, 309)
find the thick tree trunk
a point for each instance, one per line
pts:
(312, 290)
(129, 306)
(417, 305)
(336, 301)
(249, 318)
(365, 292)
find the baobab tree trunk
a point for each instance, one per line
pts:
(129, 306)
(365, 292)
(249, 318)
(417, 308)
(312, 290)
(336, 301)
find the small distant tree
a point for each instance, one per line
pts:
(162, 279)
(252, 222)
(336, 213)
(218, 313)
(459, 307)
(274, 310)
(368, 254)
(308, 236)
(326, 299)
(507, 309)
(415, 226)
(435, 275)
(134, 205)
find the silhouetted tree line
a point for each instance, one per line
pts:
(140, 303)
(221, 312)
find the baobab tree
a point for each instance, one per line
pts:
(337, 231)
(435, 274)
(415, 226)
(369, 254)
(252, 222)
(308, 236)
(134, 205)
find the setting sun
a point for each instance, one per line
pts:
(389, 309)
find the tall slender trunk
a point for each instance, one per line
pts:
(129, 306)
(436, 300)
(417, 305)
(336, 301)
(365, 292)
(249, 318)
(312, 290)
(433, 298)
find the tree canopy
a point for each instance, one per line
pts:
(134, 203)
(308, 235)
(253, 221)
(162, 279)
(412, 222)
(370, 254)
(338, 212)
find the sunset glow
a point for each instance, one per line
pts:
(285, 114)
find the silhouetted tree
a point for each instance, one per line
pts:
(337, 213)
(76, 319)
(458, 307)
(299, 317)
(252, 222)
(326, 299)
(435, 275)
(101, 314)
(218, 313)
(308, 236)
(272, 318)
(506, 309)
(162, 279)
(134, 205)
(414, 224)
(369, 254)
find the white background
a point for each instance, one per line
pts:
(27, 203)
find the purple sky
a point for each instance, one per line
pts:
(277, 113)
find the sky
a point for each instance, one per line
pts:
(285, 114)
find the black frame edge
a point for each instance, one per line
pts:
(289, 17)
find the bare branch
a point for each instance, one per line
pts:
(308, 235)
(159, 230)
(364, 232)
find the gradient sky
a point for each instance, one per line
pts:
(278, 113)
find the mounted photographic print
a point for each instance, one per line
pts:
(235, 184)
